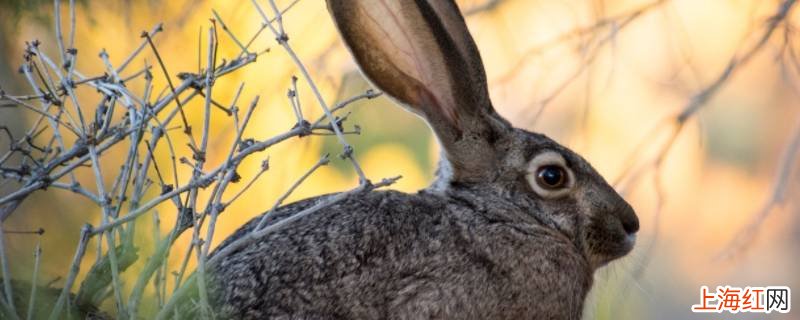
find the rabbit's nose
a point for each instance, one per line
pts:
(630, 222)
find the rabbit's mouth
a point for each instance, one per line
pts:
(630, 241)
(627, 245)
(612, 251)
(616, 251)
(611, 238)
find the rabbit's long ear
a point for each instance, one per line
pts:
(420, 53)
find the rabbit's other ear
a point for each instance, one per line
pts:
(420, 53)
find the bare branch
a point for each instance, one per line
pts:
(283, 40)
(778, 195)
(701, 98)
(73, 272)
(7, 290)
(37, 257)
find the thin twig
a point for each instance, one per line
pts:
(37, 255)
(7, 290)
(701, 98)
(107, 212)
(283, 40)
(205, 307)
(158, 28)
(73, 272)
(228, 32)
(745, 235)
(264, 218)
(202, 180)
(186, 128)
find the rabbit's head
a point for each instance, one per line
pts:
(420, 53)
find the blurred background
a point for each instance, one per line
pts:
(604, 77)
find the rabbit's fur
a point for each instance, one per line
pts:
(488, 240)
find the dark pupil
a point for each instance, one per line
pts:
(552, 176)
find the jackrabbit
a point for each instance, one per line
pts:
(513, 227)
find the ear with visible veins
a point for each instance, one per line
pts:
(420, 53)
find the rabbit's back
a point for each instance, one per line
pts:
(387, 255)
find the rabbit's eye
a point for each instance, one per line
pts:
(551, 177)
